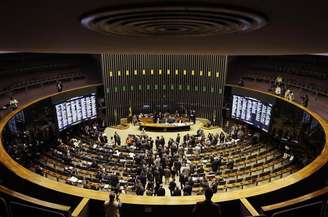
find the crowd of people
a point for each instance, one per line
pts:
(168, 162)
(140, 163)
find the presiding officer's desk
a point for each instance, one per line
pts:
(166, 126)
(66, 189)
(179, 124)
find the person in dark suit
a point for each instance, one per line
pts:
(59, 86)
(117, 139)
(172, 186)
(161, 191)
(177, 192)
(207, 208)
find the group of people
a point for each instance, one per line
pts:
(280, 89)
(166, 117)
(155, 166)
(140, 164)
(167, 164)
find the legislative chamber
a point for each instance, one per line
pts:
(163, 109)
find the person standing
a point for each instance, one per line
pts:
(305, 100)
(167, 175)
(172, 186)
(59, 86)
(13, 103)
(207, 208)
(112, 207)
(117, 139)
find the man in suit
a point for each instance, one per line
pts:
(207, 208)
(161, 191)
(117, 139)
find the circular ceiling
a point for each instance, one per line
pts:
(172, 21)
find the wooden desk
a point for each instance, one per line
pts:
(166, 126)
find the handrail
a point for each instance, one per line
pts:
(303, 173)
(33, 200)
(249, 207)
(295, 200)
(81, 207)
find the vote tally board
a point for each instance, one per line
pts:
(251, 111)
(75, 110)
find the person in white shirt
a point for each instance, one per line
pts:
(291, 96)
(287, 93)
(13, 103)
(112, 207)
(278, 90)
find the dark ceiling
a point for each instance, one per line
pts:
(294, 27)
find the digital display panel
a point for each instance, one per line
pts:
(75, 110)
(252, 111)
(18, 119)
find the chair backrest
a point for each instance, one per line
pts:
(19, 210)
(311, 209)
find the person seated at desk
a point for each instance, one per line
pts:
(230, 164)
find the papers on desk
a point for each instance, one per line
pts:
(131, 155)
(73, 179)
(123, 181)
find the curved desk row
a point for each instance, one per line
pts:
(26, 174)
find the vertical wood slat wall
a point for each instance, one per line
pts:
(163, 82)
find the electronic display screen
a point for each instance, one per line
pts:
(18, 119)
(75, 110)
(252, 111)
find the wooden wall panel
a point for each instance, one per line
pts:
(142, 80)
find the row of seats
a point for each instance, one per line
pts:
(255, 164)
(316, 87)
(48, 78)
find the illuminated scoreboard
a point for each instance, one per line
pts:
(75, 110)
(251, 111)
